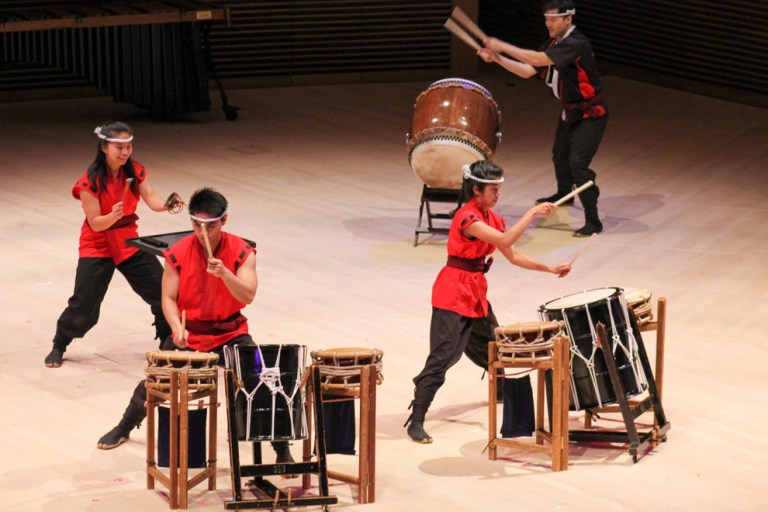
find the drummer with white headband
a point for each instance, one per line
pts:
(462, 318)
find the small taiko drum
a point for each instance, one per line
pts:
(340, 367)
(455, 122)
(199, 366)
(639, 301)
(527, 341)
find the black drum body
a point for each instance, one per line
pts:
(269, 400)
(591, 385)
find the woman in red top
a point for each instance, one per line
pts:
(462, 319)
(110, 191)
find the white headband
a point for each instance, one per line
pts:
(569, 12)
(207, 221)
(469, 176)
(100, 135)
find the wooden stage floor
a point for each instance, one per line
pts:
(319, 177)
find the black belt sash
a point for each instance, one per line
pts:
(224, 326)
(591, 106)
(470, 265)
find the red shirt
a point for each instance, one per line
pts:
(205, 297)
(110, 243)
(458, 290)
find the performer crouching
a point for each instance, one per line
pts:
(212, 292)
(462, 318)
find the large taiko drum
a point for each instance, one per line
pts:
(590, 381)
(455, 122)
(269, 400)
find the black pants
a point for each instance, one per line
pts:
(574, 148)
(143, 273)
(450, 336)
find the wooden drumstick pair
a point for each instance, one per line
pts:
(454, 26)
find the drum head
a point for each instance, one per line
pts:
(438, 162)
(581, 298)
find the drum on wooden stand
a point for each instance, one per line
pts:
(340, 367)
(527, 341)
(200, 368)
(639, 301)
(455, 122)
(590, 381)
(269, 399)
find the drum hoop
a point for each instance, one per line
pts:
(616, 291)
(451, 134)
(181, 356)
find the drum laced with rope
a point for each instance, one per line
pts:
(340, 367)
(527, 341)
(639, 301)
(200, 368)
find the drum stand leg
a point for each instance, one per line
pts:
(435, 195)
(277, 499)
(639, 442)
(366, 467)
(179, 396)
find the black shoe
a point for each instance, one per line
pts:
(416, 433)
(113, 438)
(554, 198)
(588, 230)
(53, 360)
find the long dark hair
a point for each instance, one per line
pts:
(483, 169)
(97, 171)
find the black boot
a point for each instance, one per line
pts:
(132, 418)
(592, 225)
(282, 452)
(53, 360)
(415, 423)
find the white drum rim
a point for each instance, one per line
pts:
(594, 295)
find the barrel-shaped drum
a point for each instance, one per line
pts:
(269, 400)
(340, 367)
(591, 385)
(455, 122)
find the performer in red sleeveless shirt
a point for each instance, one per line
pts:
(212, 292)
(110, 191)
(567, 65)
(462, 318)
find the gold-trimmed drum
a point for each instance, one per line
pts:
(200, 367)
(527, 341)
(455, 122)
(340, 367)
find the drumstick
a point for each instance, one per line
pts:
(204, 227)
(184, 324)
(460, 16)
(456, 30)
(580, 189)
(583, 248)
(126, 188)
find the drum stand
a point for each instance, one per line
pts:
(179, 396)
(435, 195)
(366, 473)
(259, 471)
(658, 325)
(639, 442)
(557, 437)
